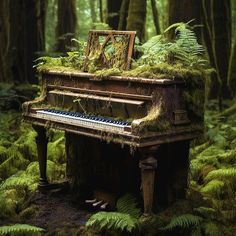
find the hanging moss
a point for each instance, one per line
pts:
(154, 121)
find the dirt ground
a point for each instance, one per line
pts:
(59, 214)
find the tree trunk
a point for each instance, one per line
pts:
(217, 36)
(232, 70)
(26, 37)
(184, 11)
(155, 16)
(137, 17)
(123, 14)
(113, 8)
(66, 24)
(4, 28)
(101, 10)
(92, 10)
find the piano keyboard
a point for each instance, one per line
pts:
(80, 119)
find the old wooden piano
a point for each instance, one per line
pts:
(130, 131)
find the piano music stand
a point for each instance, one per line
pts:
(104, 47)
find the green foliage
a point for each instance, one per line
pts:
(113, 221)
(129, 205)
(56, 150)
(213, 188)
(184, 49)
(223, 174)
(12, 164)
(20, 229)
(19, 181)
(125, 220)
(9, 200)
(211, 229)
(186, 221)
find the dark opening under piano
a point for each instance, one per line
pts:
(121, 132)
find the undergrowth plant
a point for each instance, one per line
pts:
(21, 230)
(124, 220)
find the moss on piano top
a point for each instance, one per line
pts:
(159, 57)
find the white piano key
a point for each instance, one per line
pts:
(79, 120)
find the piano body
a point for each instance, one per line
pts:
(130, 131)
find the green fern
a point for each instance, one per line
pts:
(20, 229)
(129, 205)
(222, 174)
(113, 221)
(186, 221)
(19, 181)
(206, 212)
(214, 188)
(184, 49)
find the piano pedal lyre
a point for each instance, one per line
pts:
(102, 201)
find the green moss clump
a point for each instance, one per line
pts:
(154, 121)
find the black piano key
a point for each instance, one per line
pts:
(89, 117)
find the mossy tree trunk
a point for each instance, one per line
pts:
(137, 17)
(113, 10)
(217, 19)
(155, 16)
(101, 10)
(4, 27)
(25, 38)
(66, 24)
(92, 10)
(123, 14)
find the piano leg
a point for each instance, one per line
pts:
(148, 165)
(42, 141)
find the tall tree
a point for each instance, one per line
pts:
(113, 9)
(184, 11)
(137, 17)
(66, 24)
(4, 27)
(232, 70)
(25, 38)
(155, 16)
(123, 14)
(92, 10)
(215, 16)
(101, 10)
(217, 36)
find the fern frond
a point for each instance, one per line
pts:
(20, 229)
(222, 174)
(128, 205)
(185, 221)
(114, 221)
(214, 188)
(20, 181)
(206, 211)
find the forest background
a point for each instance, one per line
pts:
(33, 28)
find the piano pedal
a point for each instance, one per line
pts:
(104, 206)
(96, 204)
(88, 201)
(101, 200)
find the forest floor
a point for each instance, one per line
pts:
(211, 194)
(56, 212)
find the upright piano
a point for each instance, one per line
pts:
(130, 131)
